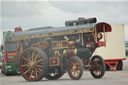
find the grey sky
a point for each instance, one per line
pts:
(30, 14)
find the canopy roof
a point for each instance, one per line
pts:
(56, 31)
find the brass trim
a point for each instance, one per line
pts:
(75, 52)
(64, 53)
(71, 42)
(38, 44)
(59, 44)
(51, 34)
(82, 39)
(95, 35)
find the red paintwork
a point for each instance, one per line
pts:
(112, 63)
(54, 62)
(5, 58)
(101, 43)
(12, 54)
(114, 59)
(18, 29)
(100, 27)
(11, 60)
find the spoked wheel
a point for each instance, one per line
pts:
(33, 64)
(56, 74)
(98, 67)
(75, 68)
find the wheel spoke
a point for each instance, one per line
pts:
(36, 57)
(25, 59)
(27, 70)
(37, 70)
(31, 75)
(74, 62)
(38, 61)
(33, 53)
(39, 66)
(25, 65)
(28, 54)
(36, 74)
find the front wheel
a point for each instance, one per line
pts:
(75, 68)
(97, 67)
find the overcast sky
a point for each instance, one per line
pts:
(31, 14)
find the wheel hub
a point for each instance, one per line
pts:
(32, 63)
(74, 67)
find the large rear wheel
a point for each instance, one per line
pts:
(97, 67)
(75, 68)
(33, 64)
